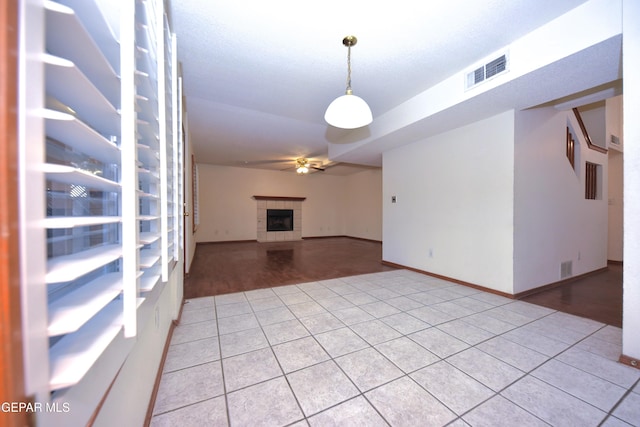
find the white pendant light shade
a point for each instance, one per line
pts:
(348, 112)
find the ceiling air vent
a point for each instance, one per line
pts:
(487, 71)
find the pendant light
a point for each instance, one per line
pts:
(348, 111)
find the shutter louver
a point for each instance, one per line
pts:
(102, 146)
(82, 172)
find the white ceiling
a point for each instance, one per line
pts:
(258, 75)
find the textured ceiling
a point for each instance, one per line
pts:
(258, 75)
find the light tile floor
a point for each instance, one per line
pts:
(394, 348)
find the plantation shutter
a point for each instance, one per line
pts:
(101, 178)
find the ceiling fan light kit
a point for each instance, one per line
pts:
(348, 111)
(302, 166)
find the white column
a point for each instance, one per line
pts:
(631, 271)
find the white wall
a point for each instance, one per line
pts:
(594, 118)
(615, 201)
(454, 210)
(363, 207)
(553, 221)
(614, 115)
(631, 273)
(189, 236)
(129, 397)
(228, 210)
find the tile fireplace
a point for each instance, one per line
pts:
(279, 218)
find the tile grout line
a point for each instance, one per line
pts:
(197, 364)
(402, 335)
(284, 375)
(619, 402)
(405, 374)
(224, 383)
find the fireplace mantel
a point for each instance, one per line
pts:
(281, 198)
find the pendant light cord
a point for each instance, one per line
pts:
(349, 70)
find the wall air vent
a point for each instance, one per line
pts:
(566, 269)
(487, 71)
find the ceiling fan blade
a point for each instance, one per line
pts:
(263, 162)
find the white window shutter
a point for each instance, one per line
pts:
(99, 177)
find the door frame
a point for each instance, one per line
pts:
(12, 387)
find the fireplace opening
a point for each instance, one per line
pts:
(279, 219)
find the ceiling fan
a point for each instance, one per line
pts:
(303, 166)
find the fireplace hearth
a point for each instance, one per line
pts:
(279, 219)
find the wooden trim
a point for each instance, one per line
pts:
(156, 384)
(345, 236)
(322, 237)
(364, 239)
(195, 189)
(571, 153)
(289, 199)
(613, 262)
(225, 241)
(587, 138)
(630, 361)
(493, 291)
(98, 408)
(590, 181)
(288, 241)
(559, 283)
(12, 387)
(450, 279)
